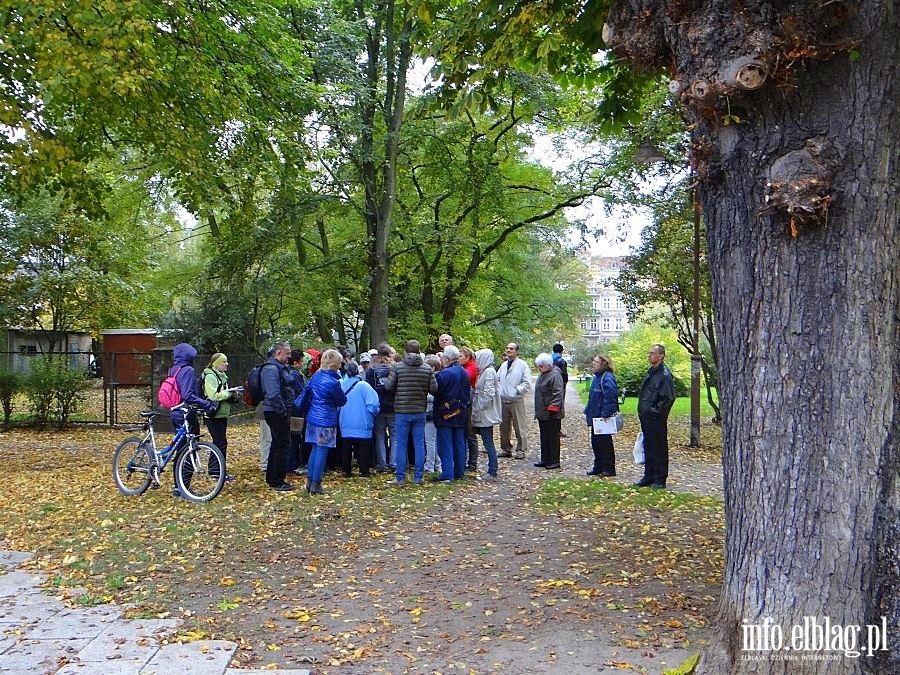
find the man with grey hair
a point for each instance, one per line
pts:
(515, 382)
(278, 387)
(411, 380)
(655, 399)
(451, 404)
(445, 340)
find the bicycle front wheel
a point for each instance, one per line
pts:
(200, 472)
(131, 466)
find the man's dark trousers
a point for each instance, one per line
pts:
(656, 449)
(280, 425)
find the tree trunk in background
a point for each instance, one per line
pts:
(798, 182)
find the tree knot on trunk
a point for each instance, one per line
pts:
(799, 184)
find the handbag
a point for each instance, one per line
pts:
(639, 448)
(450, 410)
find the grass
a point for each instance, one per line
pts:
(601, 496)
(681, 407)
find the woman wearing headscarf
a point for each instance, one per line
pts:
(486, 412)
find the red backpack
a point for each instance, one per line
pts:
(169, 394)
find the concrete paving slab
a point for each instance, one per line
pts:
(7, 641)
(11, 559)
(203, 657)
(76, 623)
(240, 671)
(16, 582)
(28, 608)
(128, 642)
(109, 667)
(39, 656)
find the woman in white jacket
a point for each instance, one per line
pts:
(486, 408)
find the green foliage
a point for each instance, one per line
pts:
(11, 383)
(179, 82)
(54, 389)
(66, 270)
(477, 45)
(629, 355)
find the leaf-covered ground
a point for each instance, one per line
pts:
(539, 572)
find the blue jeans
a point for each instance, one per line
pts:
(316, 468)
(487, 437)
(432, 461)
(451, 442)
(404, 423)
(382, 434)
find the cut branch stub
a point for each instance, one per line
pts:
(702, 91)
(800, 182)
(607, 34)
(744, 73)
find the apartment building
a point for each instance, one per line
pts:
(607, 317)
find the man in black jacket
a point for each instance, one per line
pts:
(655, 399)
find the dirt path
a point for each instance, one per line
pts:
(484, 582)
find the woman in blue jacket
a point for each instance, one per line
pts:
(451, 403)
(357, 420)
(603, 401)
(321, 400)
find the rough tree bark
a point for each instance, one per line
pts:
(795, 138)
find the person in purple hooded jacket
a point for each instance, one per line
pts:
(183, 369)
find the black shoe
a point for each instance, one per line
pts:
(643, 482)
(315, 488)
(539, 464)
(658, 486)
(593, 472)
(606, 474)
(504, 453)
(284, 487)
(551, 466)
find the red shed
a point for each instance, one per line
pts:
(126, 355)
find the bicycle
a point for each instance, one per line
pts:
(199, 466)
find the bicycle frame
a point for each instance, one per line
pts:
(162, 456)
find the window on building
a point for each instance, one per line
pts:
(584, 325)
(606, 324)
(606, 303)
(620, 324)
(595, 304)
(593, 324)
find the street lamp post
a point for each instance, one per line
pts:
(696, 357)
(647, 153)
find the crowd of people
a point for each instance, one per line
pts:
(387, 410)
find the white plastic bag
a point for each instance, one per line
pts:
(639, 448)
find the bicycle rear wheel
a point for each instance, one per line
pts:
(200, 472)
(131, 466)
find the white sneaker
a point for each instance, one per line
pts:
(486, 477)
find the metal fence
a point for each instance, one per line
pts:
(118, 386)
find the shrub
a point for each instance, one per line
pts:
(11, 383)
(54, 389)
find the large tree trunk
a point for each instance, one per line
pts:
(799, 179)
